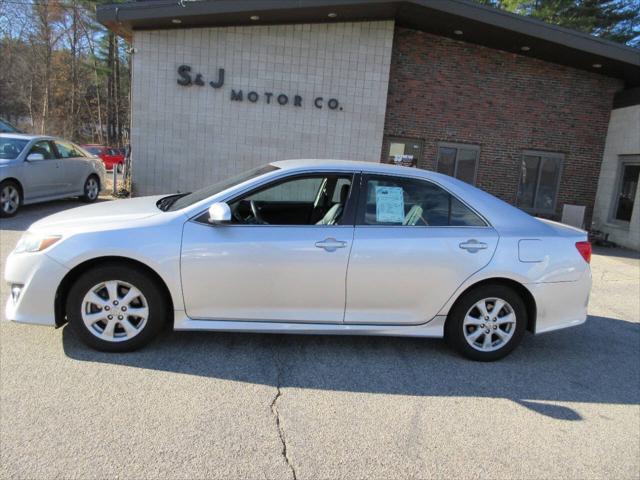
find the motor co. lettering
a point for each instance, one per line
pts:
(188, 78)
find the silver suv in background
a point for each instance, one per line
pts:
(39, 168)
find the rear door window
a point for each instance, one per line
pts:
(68, 150)
(410, 202)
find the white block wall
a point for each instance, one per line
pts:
(184, 138)
(623, 138)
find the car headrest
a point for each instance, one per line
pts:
(344, 193)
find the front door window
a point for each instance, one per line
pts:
(43, 148)
(308, 200)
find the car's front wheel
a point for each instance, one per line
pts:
(116, 308)
(91, 189)
(487, 322)
(10, 198)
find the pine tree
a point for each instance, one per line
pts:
(617, 20)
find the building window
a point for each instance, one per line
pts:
(626, 191)
(459, 161)
(539, 181)
(404, 151)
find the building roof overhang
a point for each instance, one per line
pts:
(459, 19)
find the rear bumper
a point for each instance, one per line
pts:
(561, 304)
(38, 277)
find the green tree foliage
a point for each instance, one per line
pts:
(617, 20)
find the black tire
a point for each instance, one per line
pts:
(90, 193)
(12, 189)
(455, 328)
(152, 294)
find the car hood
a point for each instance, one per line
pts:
(99, 216)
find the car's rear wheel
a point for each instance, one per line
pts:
(91, 189)
(116, 308)
(10, 198)
(487, 323)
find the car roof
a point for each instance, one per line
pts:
(361, 166)
(27, 136)
(354, 165)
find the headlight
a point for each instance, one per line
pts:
(31, 242)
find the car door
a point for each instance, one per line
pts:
(43, 178)
(414, 245)
(281, 259)
(74, 166)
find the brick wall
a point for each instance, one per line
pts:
(446, 90)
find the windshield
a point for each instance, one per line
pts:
(85, 152)
(6, 127)
(93, 150)
(10, 148)
(182, 201)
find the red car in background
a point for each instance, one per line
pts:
(111, 157)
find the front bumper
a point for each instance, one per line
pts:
(39, 276)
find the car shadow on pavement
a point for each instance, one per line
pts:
(594, 363)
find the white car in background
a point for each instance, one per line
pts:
(38, 169)
(305, 246)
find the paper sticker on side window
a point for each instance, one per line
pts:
(389, 205)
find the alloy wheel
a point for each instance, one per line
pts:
(489, 324)
(9, 199)
(115, 311)
(92, 188)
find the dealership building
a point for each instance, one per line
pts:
(517, 107)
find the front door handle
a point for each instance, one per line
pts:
(473, 245)
(331, 244)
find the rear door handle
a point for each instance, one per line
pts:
(331, 244)
(473, 245)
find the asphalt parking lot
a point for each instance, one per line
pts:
(211, 405)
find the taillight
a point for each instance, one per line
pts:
(585, 250)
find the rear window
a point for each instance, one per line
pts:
(10, 148)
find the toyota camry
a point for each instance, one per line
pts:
(306, 247)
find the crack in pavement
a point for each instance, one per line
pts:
(276, 414)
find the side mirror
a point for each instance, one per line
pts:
(35, 157)
(219, 213)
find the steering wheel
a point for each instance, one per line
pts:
(256, 213)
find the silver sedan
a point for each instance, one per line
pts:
(307, 247)
(37, 169)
